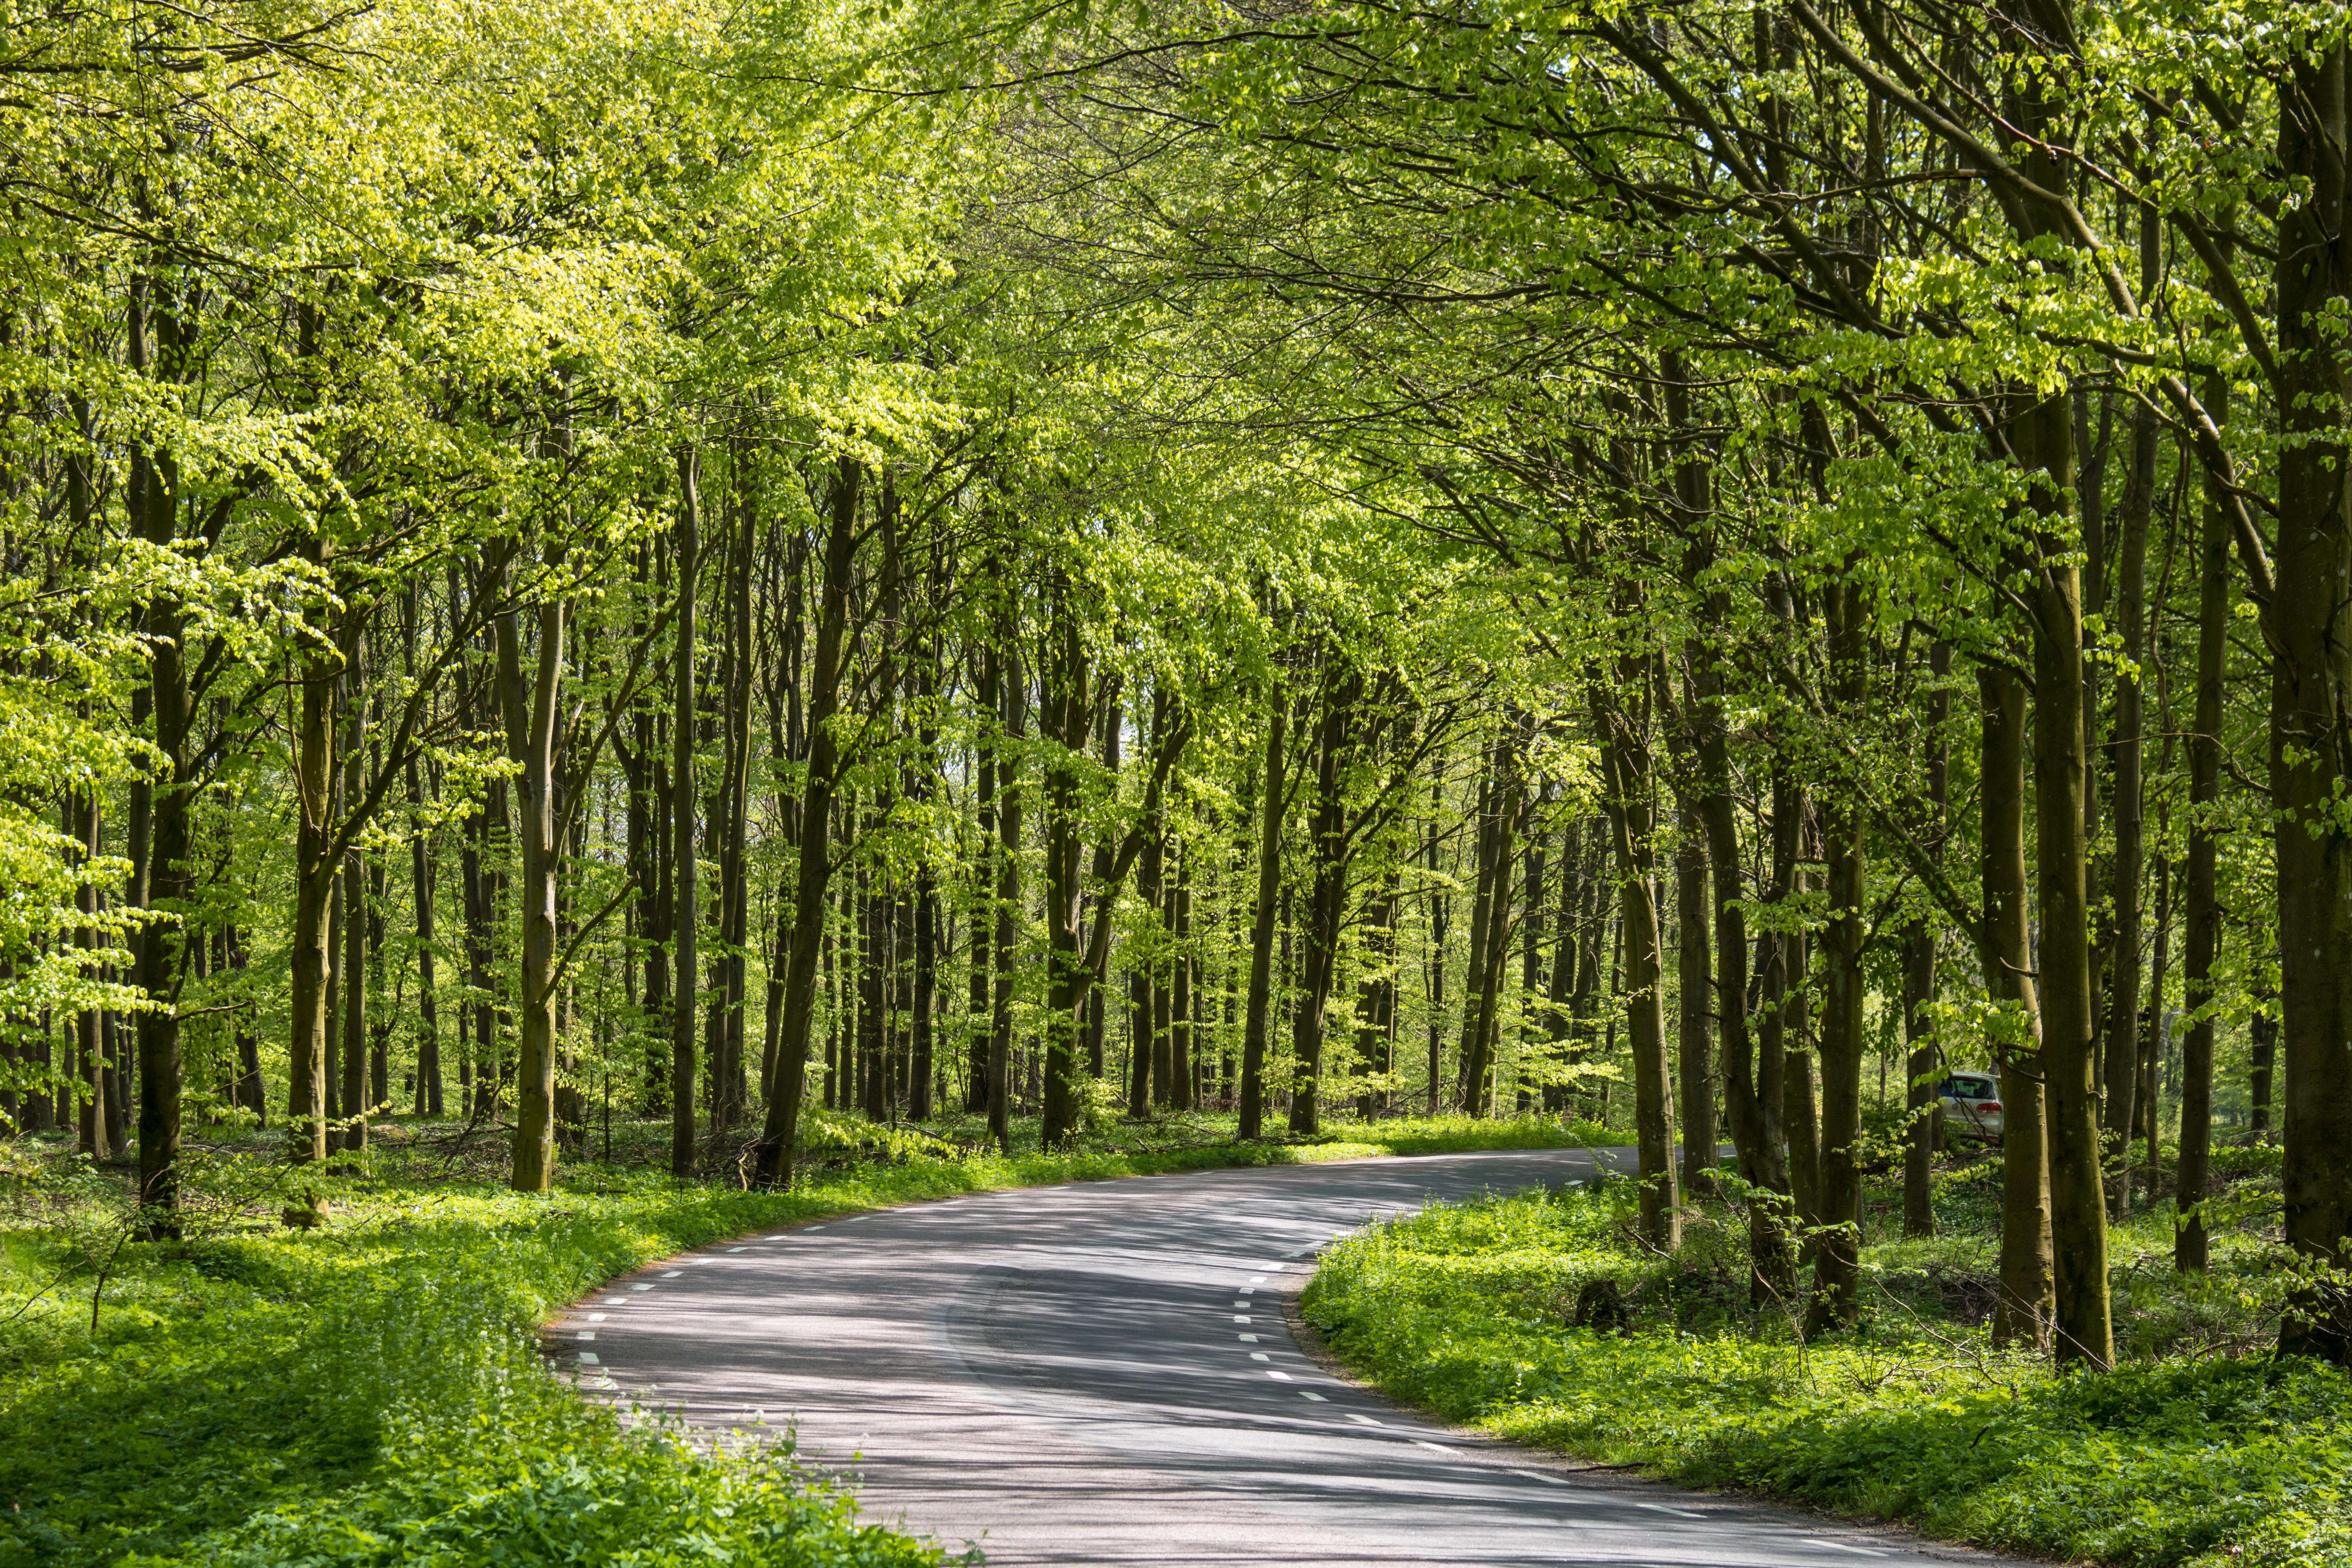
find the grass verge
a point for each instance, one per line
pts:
(372, 1390)
(2182, 1456)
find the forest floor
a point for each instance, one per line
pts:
(370, 1388)
(2200, 1448)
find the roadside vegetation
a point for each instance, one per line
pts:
(1542, 1318)
(343, 1367)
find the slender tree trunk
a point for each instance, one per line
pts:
(1694, 1017)
(2188, 1241)
(979, 1016)
(429, 1089)
(1067, 720)
(314, 880)
(1098, 1008)
(1267, 911)
(1625, 779)
(2123, 1034)
(1327, 897)
(781, 1133)
(1487, 889)
(2078, 1211)
(533, 713)
(356, 1105)
(84, 822)
(686, 908)
(1008, 901)
(1182, 990)
(1836, 1260)
(2310, 673)
(2023, 1311)
(1924, 1132)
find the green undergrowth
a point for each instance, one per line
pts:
(372, 1390)
(2194, 1456)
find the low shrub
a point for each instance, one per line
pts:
(1474, 1311)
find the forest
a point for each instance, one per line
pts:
(732, 579)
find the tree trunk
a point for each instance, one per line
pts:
(314, 880)
(813, 880)
(686, 909)
(1327, 897)
(1923, 1131)
(980, 1017)
(533, 712)
(1625, 779)
(356, 1106)
(1836, 1260)
(2022, 1311)
(2310, 673)
(1267, 911)
(1067, 720)
(2204, 945)
(2123, 1034)
(1181, 988)
(2078, 1211)
(1008, 900)
(1693, 1013)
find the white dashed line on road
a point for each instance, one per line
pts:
(1279, 1376)
(585, 1335)
(595, 1317)
(588, 1358)
(1239, 1319)
(1247, 1339)
(640, 1287)
(1839, 1546)
(1260, 1356)
(1662, 1507)
(1366, 1420)
(1308, 1394)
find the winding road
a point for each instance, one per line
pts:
(1102, 1373)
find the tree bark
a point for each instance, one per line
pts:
(2310, 672)
(1924, 1134)
(314, 880)
(781, 1132)
(1625, 779)
(2204, 945)
(1836, 1259)
(1326, 897)
(533, 712)
(685, 907)
(1693, 969)
(1267, 912)
(2023, 1311)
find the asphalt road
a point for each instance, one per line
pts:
(1102, 1373)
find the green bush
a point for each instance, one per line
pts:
(374, 1391)
(1468, 1311)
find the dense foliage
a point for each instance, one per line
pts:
(374, 1390)
(776, 566)
(1492, 1314)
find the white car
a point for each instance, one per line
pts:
(1971, 1103)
